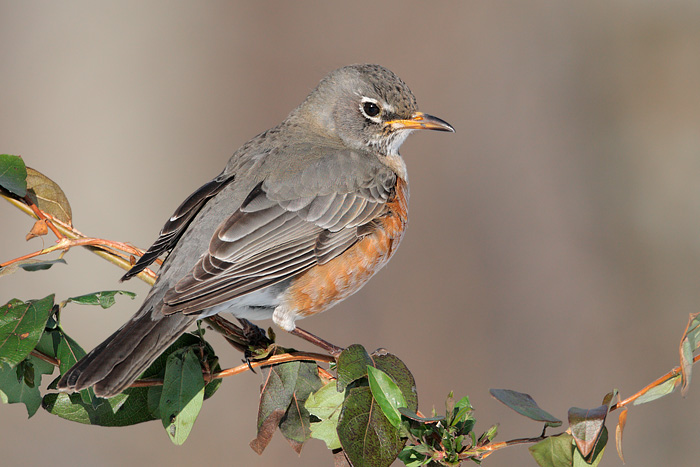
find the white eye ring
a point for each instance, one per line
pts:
(368, 106)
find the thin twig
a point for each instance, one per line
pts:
(42, 216)
(44, 357)
(67, 243)
(489, 449)
(327, 375)
(659, 381)
(274, 360)
(102, 248)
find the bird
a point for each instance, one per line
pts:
(301, 217)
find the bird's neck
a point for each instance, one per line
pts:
(396, 163)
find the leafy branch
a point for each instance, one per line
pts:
(364, 407)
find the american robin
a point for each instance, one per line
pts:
(301, 217)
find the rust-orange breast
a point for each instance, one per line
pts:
(324, 285)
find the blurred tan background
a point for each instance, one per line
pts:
(554, 245)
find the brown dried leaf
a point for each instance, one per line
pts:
(618, 433)
(340, 459)
(265, 431)
(48, 196)
(38, 229)
(296, 445)
(587, 426)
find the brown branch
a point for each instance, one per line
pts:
(44, 357)
(41, 215)
(328, 376)
(69, 237)
(489, 449)
(110, 247)
(274, 360)
(117, 253)
(659, 381)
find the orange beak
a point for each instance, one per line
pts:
(421, 121)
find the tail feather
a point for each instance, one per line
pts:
(117, 362)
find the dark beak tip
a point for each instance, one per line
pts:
(436, 123)
(444, 126)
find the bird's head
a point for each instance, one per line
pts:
(368, 107)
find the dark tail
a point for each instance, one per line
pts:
(117, 362)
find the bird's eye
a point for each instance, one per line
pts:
(370, 109)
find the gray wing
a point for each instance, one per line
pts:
(178, 222)
(285, 226)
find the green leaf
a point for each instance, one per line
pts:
(13, 175)
(489, 434)
(524, 405)
(189, 339)
(461, 411)
(285, 388)
(130, 407)
(414, 416)
(555, 451)
(387, 394)
(326, 404)
(40, 265)
(412, 458)
(367, 436)
(30, 265)
(275, 396)
(182, 395)
(127, 408)
(399, 373)
(352, 365)
(596, 455)
(296, 424)
(48, 196)
(47, 345)
(21, 327)
(68, 352)
(659, 391)
(105, 298)
(689, 344)
(327, 431)
(16, 390)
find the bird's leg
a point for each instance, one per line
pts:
(258, 342)
(255, 335)
(240, 338)
(334, 350)
(202, 354)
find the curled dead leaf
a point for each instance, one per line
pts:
(38, 229)
(618, 433)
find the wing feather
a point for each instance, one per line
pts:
(178, 222)
(280, 231)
